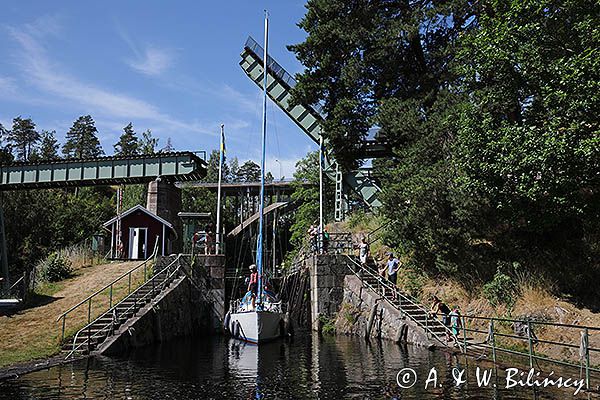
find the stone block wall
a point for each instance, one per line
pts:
(389, 323)
(178, 311)
(326, 287)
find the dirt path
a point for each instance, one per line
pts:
(34, 333)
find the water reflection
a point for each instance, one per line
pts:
(308, 367)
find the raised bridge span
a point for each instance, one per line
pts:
(309, 119)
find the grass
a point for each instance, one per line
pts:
(34, 333)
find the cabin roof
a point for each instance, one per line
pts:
(138, 208)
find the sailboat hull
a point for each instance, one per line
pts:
(256, 326)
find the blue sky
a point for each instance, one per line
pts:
(171, 67)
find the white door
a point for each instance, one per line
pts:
(134, 239)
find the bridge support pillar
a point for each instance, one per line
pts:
(164, 200)
(327, 272)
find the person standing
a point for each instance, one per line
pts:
(392, 266)
(455, 323)
(210, 239)
(363, 251)
(253, 284)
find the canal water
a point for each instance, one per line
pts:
(308, 367)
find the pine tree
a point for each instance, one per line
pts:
(234, 166)
(128, 143)
(5, 153)
(249, 172)
(82, 139)
(212, 169)
(23, 137)
(48, 149)
(168, 147)
(148, 143)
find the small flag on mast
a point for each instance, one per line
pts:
(223, 141)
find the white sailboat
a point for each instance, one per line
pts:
(259, 320)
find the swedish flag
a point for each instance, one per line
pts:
(222, 140)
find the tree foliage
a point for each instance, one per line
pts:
(48, 148)
(82, 139)
(248, 172)
(491, 110)
(128, 144)
(306, 194)
(23, 138)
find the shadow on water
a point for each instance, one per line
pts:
(307, 367)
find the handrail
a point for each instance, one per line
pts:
(114, 308)
(16, 283)
(533, 322)
(110, 285)
(529, 337)
(402, 296)
(377, 230)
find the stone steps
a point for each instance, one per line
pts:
(124, 310)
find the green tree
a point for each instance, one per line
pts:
(48, 148)
(128, 143)
(528, 145)
(148, 143)
(491, 110)
(359, 53)
(5, 153)
(23, 138)
(249, 172)
(212, 170)
(82, 139)
(306, 194)
(234, 167)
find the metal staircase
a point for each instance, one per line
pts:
(92, 335)
(309, 118)
(408, 306)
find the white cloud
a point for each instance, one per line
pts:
(47, 76)
(241, 100)
(7, 85)
(153, 62)
(281, 166)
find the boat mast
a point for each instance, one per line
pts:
(259, 241)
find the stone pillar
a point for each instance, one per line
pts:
(214, 265)
(164, 200)
(327, 274)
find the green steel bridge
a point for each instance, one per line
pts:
(309, 119)
(115, 170)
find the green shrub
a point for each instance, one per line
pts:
(54, 268)
(411, 280)
(502, 289)
(327, 325)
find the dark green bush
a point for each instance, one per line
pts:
(55, 268)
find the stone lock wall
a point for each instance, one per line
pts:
(185, 308)
(358, 306)
(326, 287)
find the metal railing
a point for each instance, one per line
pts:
(383, 286)
(379, 229)
(110, 288)
(500, 336)
(276, 69)
(118, 315)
